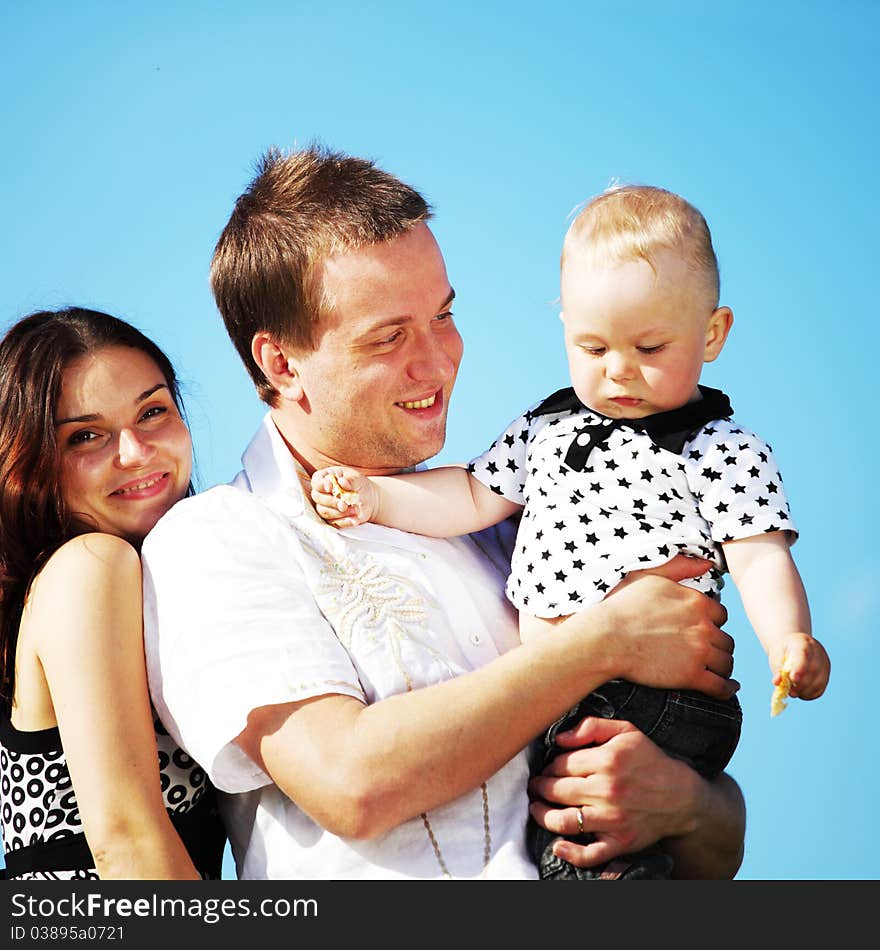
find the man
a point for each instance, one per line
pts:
(362, 691)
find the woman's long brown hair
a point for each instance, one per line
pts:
(34, 522)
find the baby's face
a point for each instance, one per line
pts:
(637, 340)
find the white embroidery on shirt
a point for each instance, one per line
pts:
(361, 595)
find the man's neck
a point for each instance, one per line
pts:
(311, 459)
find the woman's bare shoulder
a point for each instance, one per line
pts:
(89, 568)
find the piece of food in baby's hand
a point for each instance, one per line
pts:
(780, 693)
(349, 497)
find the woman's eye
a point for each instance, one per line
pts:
(154, 412)
(83, 437)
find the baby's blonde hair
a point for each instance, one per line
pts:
(633, 222)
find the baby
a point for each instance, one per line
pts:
(632, 465)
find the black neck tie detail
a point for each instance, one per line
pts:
(669, 430)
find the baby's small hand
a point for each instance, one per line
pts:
(342, 496)
(805, 661)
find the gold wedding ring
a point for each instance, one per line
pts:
(580, 815)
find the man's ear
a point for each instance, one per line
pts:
(279, 367)
(716, 332)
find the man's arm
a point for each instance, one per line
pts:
(360, 770)
(631, 794)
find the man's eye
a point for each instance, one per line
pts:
(446, 315)
(385, 341)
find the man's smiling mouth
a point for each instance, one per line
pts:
(419, 403)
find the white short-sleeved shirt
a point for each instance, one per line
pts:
(251, 600)
(603, 498)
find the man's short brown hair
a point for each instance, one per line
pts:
(300, 208)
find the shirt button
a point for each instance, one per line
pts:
(476, 639)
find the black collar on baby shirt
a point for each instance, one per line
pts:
(669, 430)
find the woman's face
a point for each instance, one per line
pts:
(126, 454)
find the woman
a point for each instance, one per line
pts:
(94, 449)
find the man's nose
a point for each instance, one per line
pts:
(434, 360)
(133, 449)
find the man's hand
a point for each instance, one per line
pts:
(630, 795)
(343, 497)
(669, 635)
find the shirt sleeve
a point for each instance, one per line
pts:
(738, 483)
(502, 467)
(231, 625)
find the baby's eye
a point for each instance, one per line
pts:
(593, 350)
(651, 349)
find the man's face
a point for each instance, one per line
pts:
(377, 387)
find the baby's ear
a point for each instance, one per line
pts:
(716, 332)
(278, 366)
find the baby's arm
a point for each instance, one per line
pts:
(775, 602)
(440, 502)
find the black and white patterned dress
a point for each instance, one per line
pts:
(39, 815)
(603, 497)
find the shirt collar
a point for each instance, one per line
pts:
(669, 430)
(272, 472)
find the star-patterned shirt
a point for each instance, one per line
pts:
(603, 497)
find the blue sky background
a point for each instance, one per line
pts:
(129, 130)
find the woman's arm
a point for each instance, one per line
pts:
(360, 770)
(85, 614)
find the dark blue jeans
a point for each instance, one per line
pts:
(693, 727)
